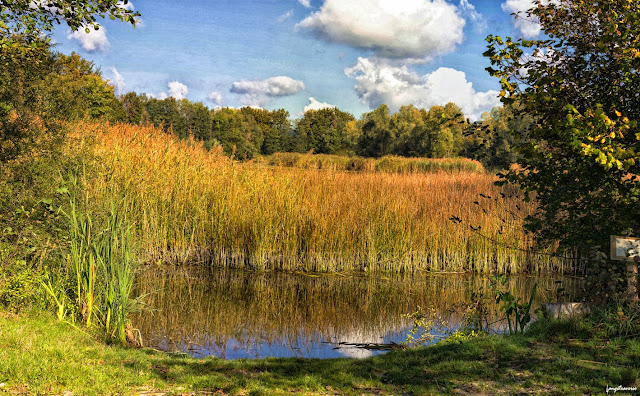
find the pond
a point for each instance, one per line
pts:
(238, 314)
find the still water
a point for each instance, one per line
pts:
(237, 314)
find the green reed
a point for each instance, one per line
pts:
(102, 262)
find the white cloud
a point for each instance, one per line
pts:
(477, 19)
(215, 97)
(116, 80)
(400, 29)
(528, 26)
(178, 90)
(95, 40)
(316, 105)
(257, 92)
(285, 16)
(306, 3)
(395, 86)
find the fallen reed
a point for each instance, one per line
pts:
(186, 202)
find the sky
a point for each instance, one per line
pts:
(305, 54)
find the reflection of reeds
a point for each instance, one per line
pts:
(187, 202)
(208, 308)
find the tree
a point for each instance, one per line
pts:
(377, 137)
(197, 118)
(325, 131)
(135, 108)
(22, 23)
(580, 160)
(492, 140)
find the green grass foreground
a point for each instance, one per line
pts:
(41, 356)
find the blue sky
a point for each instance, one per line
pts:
(354, 54)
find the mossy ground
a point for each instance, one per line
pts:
(39, 355)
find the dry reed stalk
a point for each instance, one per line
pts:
(186, 202)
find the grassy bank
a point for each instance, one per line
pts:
(388, 164)
(186, 202)
(40, 355)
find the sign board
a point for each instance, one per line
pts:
(625, 248)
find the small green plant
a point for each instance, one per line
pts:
(16, 290)
(425, 327)
(512, 306)
(58, 296)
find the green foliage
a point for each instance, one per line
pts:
(512, 306)
(579, 159)
(28, 20)
(613, 322)
(411, 132)
(325, 131)
(425, 327)
(492, 140)
(101, 267)
(20, 288)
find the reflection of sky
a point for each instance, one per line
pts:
(308, 331)
(315, 346)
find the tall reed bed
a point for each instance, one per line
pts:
(189, 203)
(389, 163)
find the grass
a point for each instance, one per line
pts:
(388, 164)
(187, 203)
(39, 355)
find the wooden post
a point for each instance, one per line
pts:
(632, 281)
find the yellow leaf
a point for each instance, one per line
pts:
(618, 113)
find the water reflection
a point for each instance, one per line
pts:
(237, 314)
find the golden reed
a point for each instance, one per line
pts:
(189, 203)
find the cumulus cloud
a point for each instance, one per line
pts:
(95, 40)
(528, 26)
(285, 16)
(398, 29)
(177, 90)
(215, 97)
(379, 82)
(160, 96)
(306, 3)
(476, 18)
(257, 92)
(316, 105)
(116, 80)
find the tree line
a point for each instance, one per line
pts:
(65, 87)
(441, 131)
